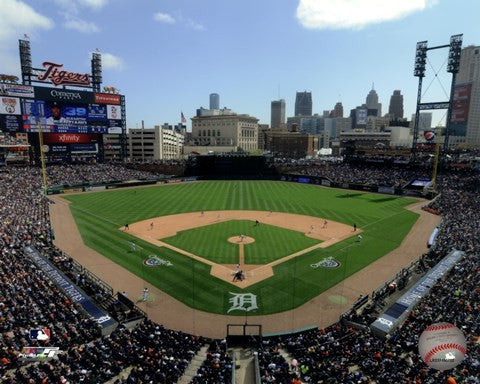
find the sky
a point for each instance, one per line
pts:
(167, 56)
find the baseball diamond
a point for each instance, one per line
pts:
(188, 227)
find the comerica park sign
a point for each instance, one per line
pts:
(58, 77)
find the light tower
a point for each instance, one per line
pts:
(455, 48)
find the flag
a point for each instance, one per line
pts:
(184, 120)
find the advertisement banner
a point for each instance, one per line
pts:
(16, 90)
(106, 98)
(83, 148)
(325, 183)
(55, 148)
(63, 95)
(10, 105)
(386, 190)
(115, 130)
(69, 138)
(114, 112)
(460, 109)
(361, 115)
(10, 123)
(74, 293)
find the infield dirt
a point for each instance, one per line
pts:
(153, 230)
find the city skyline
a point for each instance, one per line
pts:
(168, 57)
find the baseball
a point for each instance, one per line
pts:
(442, 346)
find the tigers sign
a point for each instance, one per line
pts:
(58, 77)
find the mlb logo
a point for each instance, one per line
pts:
(41, 334)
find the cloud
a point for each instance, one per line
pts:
(194, 25)
(110, 61)
(178, 19)
(97, 4)
(355, 14)
(80, 25)
(163, 18)
(17, 18)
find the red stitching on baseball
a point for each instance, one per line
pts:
(443, 347)
(439, 327)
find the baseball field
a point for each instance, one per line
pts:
(292, 241)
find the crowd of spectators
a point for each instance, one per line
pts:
(337, 354)
(391, 176)
(341, 354)
(68, 174)
(217, 367)
(30, 300)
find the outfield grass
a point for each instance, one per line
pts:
(383, 218)
(271, 242)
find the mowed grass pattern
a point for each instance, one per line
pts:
(383, 218)
(271, 243)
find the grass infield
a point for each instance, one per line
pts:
(383, 218)
(271, 242)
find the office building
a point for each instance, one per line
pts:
(395, 109)
(303, 104)
(291, 144)
(213, 112)
(337, 110)
(158, 143)
(226, 130)
(359, 116)
(465, 121)
(377, 124)
(277, 117)
(372, 102)
(424, 121)
(214, 101)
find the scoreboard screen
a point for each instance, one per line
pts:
(70, 112)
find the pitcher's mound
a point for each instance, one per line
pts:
(238, 240)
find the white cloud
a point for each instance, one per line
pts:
(355, 14)
(194, 25)
(110, 61)
(80, 25)
(164, 18)
(94, 3)
(17, 18)
(169, 19)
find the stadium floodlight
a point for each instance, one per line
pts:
(96, 71)
(454, 53)
(25, 60)
(420, 59)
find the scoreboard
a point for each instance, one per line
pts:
(72, 121)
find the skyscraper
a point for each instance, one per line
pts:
(396, 105)
(277, 117)
(465, 120)
(214, 101)
(337, 110)
(303, 104)
(372, 102)
(424, 121)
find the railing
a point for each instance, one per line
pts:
(107, 297)
(258, 378)
(234, 380)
